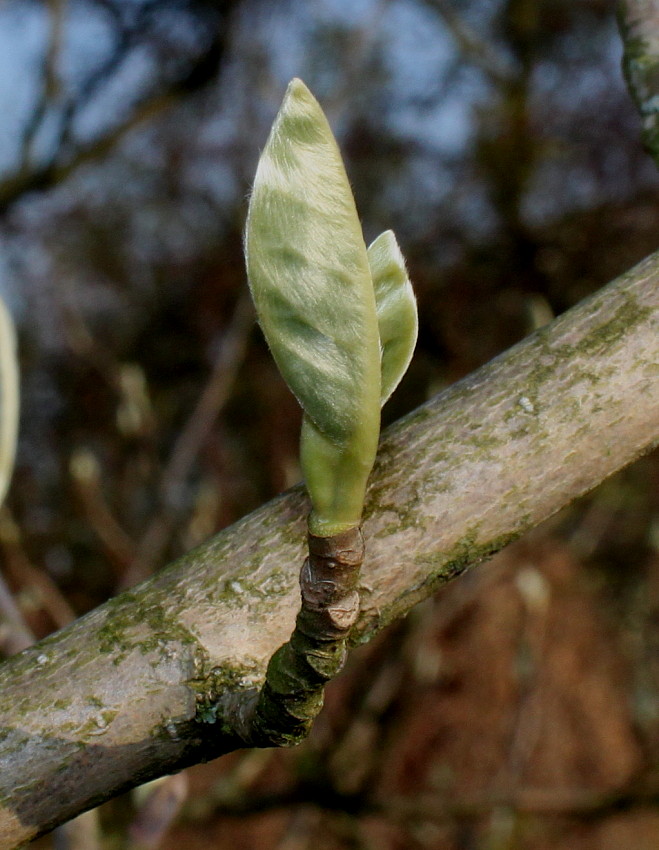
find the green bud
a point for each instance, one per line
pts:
(311, 281)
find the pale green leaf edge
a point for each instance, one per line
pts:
(398, 321)
(311, 283)
(9, 399)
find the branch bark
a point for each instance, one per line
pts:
(143, 685)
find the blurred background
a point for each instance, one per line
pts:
(520, 707)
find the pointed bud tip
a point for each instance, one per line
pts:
(296, 86)
(386, 249)
(388, 238)
(297, 90)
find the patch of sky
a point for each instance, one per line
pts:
(470, 209)
(418, 46)
(214, 179)
(286, 29)
(9, 290)
(611, 46)
(352, 12)
(89, 37)
(277, 33)
(332, 45)
(271, 45)
(117, 96)
(214, 138)
(206, 170)
(423, 54)
(568, 92)
(557, 187)
(349, 32)
(145, 151)
(180, 33)
(480, 14)
(401, 199)
(23, 29)
(580, 107)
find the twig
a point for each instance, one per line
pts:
(300, 827)
(158, 812)
(50, 84)
(15, 634)
(526, 721)
(639, 24)
(578, 803)
(473, 48)
(24, 573)
(83, 466)
(62, 163)
(82, 833)
(190, 441)
(86, 476)
(232, 787)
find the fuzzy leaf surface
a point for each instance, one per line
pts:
(311, 283)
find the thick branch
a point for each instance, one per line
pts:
(639, 24)
(141, 686)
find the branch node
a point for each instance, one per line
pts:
(292, 694)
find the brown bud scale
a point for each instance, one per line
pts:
(292, 694)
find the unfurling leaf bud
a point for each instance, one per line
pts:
(312, 283)
(396, 310)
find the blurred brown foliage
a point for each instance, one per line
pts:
(518, 709)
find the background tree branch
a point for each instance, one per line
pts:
(66, 153)
(133, 690)
(639, 20)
